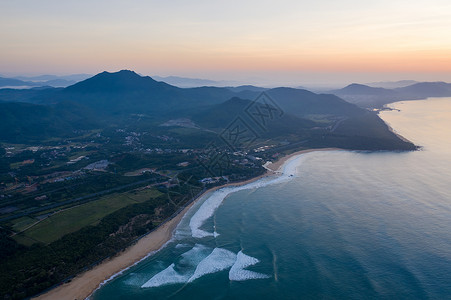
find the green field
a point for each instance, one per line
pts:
(22, 223)
(26, 241)
(77, 217)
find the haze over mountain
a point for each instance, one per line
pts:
(392, 84)
(41, 80)
(243, 88)
(11, 82)
(185, 82)
(72, 77)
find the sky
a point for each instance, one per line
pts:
(281, 42)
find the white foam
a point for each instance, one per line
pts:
(165, 277)
(212, 203)
(195, 255)
(238, 272)
(219, 260)
(205, 212)
(186, 266)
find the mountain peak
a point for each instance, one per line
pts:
(126, 72)
(121, 74)
(121, 81)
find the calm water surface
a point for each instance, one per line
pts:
(348, 225)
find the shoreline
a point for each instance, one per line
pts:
(83, 285)
(394, 131)
(275, 166)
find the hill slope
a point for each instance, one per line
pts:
(302, 102)
(222, 115)
(25, 122)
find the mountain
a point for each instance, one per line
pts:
(366, 96)
(372, 97)
(426, 89)
(351, 127)
(11, 82)
(220, 116)
(118, 82)
(26, 122)
(357, 129)
(303, 103)
(57, 83)
(360, 89)
(21, 82)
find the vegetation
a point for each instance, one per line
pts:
(74, 218)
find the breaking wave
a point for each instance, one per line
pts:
(238, 272)
(167, 276)
(219, 260)
(181, 246)
(180, 272)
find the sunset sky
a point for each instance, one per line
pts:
(268, 41)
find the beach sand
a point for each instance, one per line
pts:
(275, 166)
(84, 284)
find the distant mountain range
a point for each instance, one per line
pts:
(72, 77)
(127, 99)
(41, 80)
(375, 97)
(392, 84)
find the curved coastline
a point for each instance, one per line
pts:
(389, 105)
(84, 284)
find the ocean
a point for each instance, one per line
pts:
(335, 225)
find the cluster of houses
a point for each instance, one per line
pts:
(211, 180)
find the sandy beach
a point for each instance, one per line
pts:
(275, 166)
(83, 285)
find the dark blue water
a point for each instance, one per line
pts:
(348, 225)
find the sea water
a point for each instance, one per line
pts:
(334, 225)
